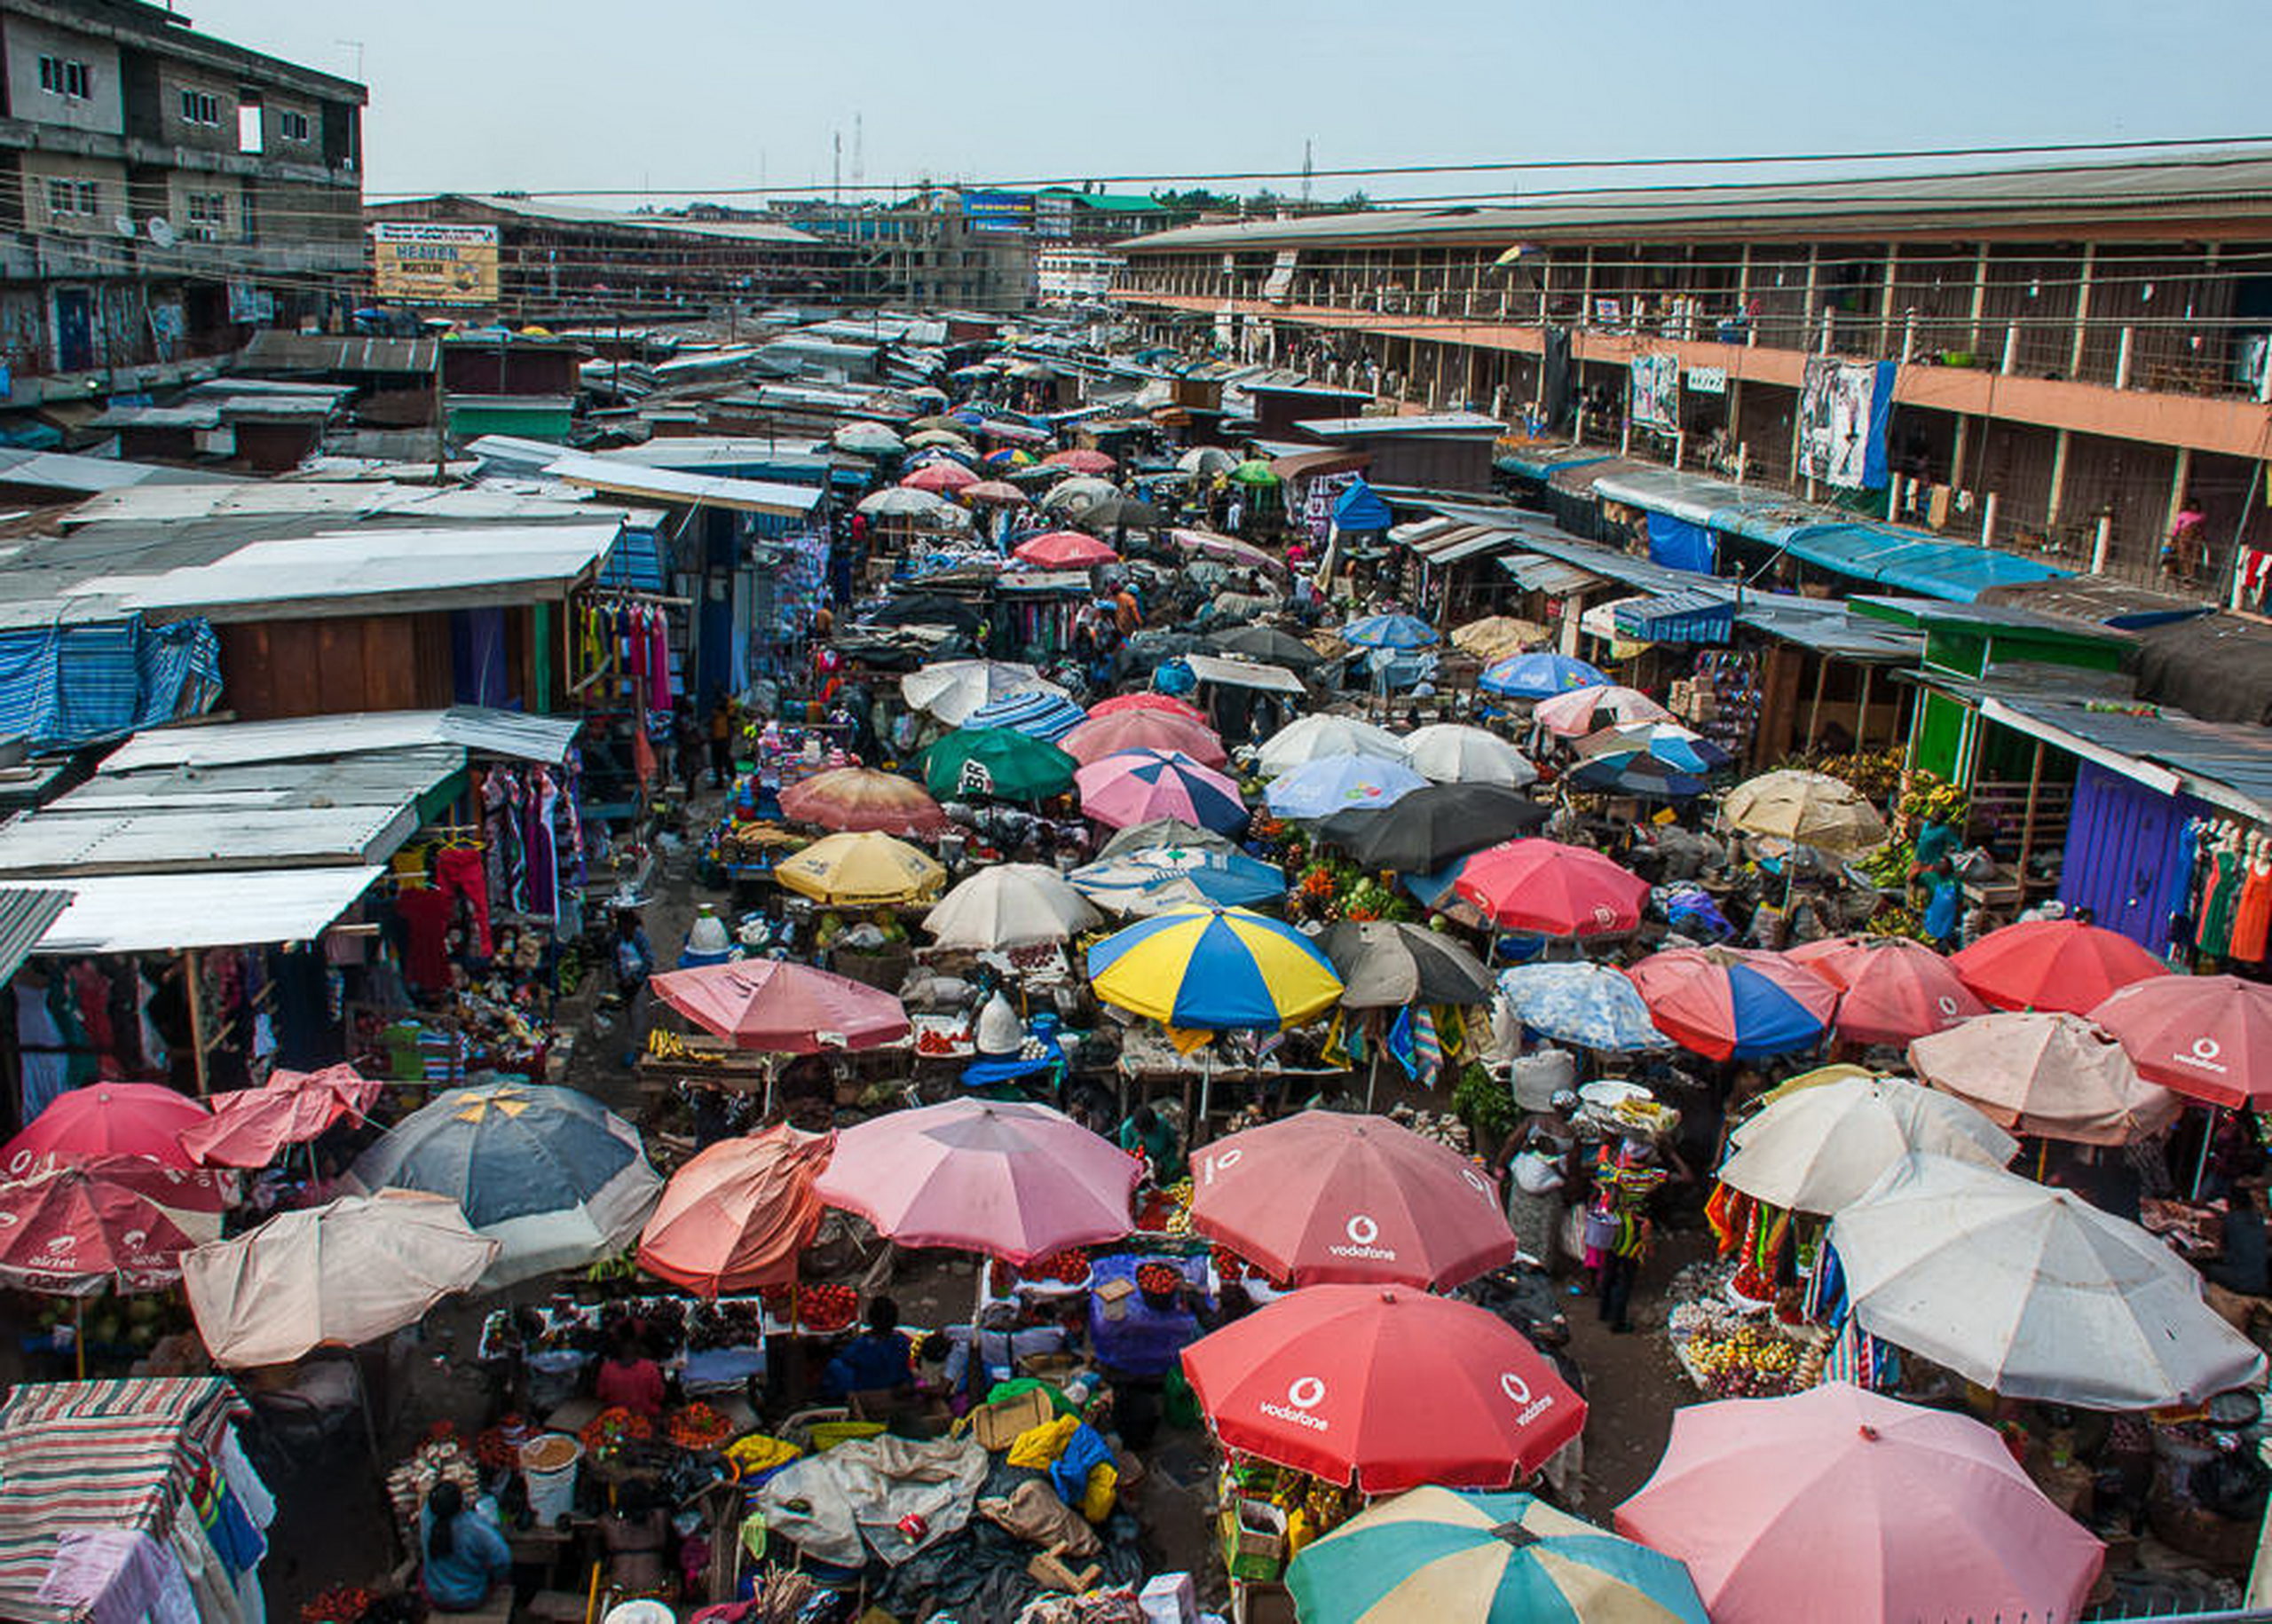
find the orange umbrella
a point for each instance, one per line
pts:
(736, 1216)
(859, 798)
(250, 1126)
(1143, 730)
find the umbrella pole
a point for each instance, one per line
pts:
(193, 985)
(2201, 1162)
(79, 1336)
(1206, 1084)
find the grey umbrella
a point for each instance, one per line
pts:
(1267, 642)
(1384, 964)
(1164, 831)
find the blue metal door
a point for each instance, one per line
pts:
(2123, 860)
(74, 333)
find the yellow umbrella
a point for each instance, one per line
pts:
(862, 870)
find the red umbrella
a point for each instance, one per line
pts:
(1144, 730)
(860, 798)
(1082, 461)
(735, 1217)
(250, 1126)
(1543, 887)
(783, 1008)
(2208, 1036)
(2052, 963)
(104, 1119)
(1325, 1196)
(1064, 550)
(72, 1232)
(1167, 705)
(1729, 1004)
(1892, 989)
(1391, 1387)
(941, 478)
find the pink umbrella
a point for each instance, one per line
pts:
(2208, 1036)
(250, 1126)
(941, 478)
(2052, 963)
(1167, 705)
(1082, 461)
(1583, 710)
(1143, 730)
(1836, 1503)
(1545, 888)
(778, 1007)
(1064, 550)
(1011, 1180)
(103, 1119)
(1891, 988)
(2046, 1073)
(1135, 786)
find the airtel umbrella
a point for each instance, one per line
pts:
(2052, 963)
(104, 1119)
(75, 1232)
(1890, 989)
(1385, 1387)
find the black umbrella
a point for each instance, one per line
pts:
(1121, 512)
(926, 608)
(1420, 832)
(1384, 965)
(1267, 642)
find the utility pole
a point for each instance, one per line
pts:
(1308, 166)
(836, 168)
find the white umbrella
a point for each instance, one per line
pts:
(1081, 491)
(1820, 1150)
(900, 501)
(1009, 905)
(1311, 737)
(952, 689)
(2047, 1073)
(1453, 752)
(2032, 1291)
(867, 439)
(341, 1274)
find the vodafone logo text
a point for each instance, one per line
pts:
(1302, 1397)
(2203, 1056)
(1362, 1233)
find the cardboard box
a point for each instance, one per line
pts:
(1114, 1293)
(1169, 1598)
(997, 1426)
(1254, 1539)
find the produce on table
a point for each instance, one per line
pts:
(828, 1308)
(340, 1604)
(698, 1426)
(614, 1427)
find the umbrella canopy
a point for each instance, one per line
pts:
(1206, 460)
(1165, 831)
(104, 1119)
(1012, 457)
(1603, 705)
(2207, 1036)
(1166, 705)
(1010, 905)
(1145, 880)
(1011, 1180)
(779, 1007)
(999, 762)
(1326, 784)
(2049, 1076)
(1389, 632)
(1890, 989)
(1820, 1150)
(736, 1218)
(953, 688)
(1072, 495)
(1836, 1503)
(250, 1126)
(1208, 544)
(1045, 713)
(1498, 637)
(1064, 550)
(1807, 809)
(1325, 1196)
(1637, 772)
(2052, 963)
(941, 478)
(1145, 727)
(861, 870)
(1214, 969)
(1134, 785)
(1386, 965)
(347, 1273)
(855, 799)
(1309, 738)
(993, 494)
(1616, 750)
(1538, 676)
(1731, 1004)
(901, 502)
(1454, 753)
(551, 1175)
(77, 1231)
(926, 608)
(1255, 473)
(1427, 827)
(866, 438)
(2032, 1291)
(1545, 888)
(1436, 1553)
(1387, 1387)
(1121, 511)
(1593, 1005)
(1082, 461)
(1267, 643)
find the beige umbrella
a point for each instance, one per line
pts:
(346, 1273)
(1818, 1150)
(2049, 1074)
(1808, 809)
(1010, 905)
(864, 869)
(1495, 637)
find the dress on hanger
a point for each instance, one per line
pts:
(2253, 915)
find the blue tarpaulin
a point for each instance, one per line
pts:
(63, 686)
(636, 561)
(1361, 508)
(1680, 544)
(1947, 570)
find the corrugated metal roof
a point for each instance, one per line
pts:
(1896, 558)
(545, 211)
(165, 913)
(271, 347)
(666, 484)
(382, 777)
(1453, 424)
(1535, 573)
(56, 471)
(55, 844)
(2228, 764)
(174, 504)
(474, 728)
(1828, 628)
(26, 913)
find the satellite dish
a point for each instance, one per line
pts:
(123, 224)
(161, 231)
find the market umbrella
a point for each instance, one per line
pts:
(2052, 963)
(860, 798)
(1307, 737)
(78, 1230)
(1637, 773)
(1082, 461)
(1498, 637)
(941, 478)
(921, 429)
(867, 439)
(1592, 1005)
(2032, 1291)
(1014, 458)
(1072, 494)
(1890, 989)
(952, 689)
(1327, 1197)
(1836, 1503)
(1229, 549)
(1255, 473)
(1165, 831)
(1383, 964)
(1603, 705)
(1648, 751)
(1120, 511)
(1000, 762)
(1734, 1003)
(1137, 784)
(1384, 1385)
(1326, 784)
(104, 1119)
(1145, 880)
(1045, 713)
(1064, 549)
(1820, 1150)
(1538, 676)
(1454, 753)
(1806, 808)
(339, 1275)
(860, 870)
(1437, 1553)
(737, 1215)
(926, 608)
(1009, 1179)
(1206, 461)
(1010, 905)
(1166, 705)
(1214, 969)
(1545, 888)
(899, 502)
(2047, 1075)
(249, 1126)
(2207, 1036)
(552, 1175)
(1427, 827)
(993, 494)
(1388, 631)
(777, 1007)
(1269, 644)
(1144, 729)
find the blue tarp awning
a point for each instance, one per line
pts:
(1944, 570)
(1541, 462)
(63, 686)
(1361, 508)
(634, 561)
(1679, 544)
(1678, 617)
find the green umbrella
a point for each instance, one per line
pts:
(1001, 762)
(1255, 473)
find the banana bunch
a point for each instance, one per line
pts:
(673, 1046)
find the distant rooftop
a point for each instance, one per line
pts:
(573, 214)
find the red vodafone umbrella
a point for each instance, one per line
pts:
(1891, 990)
(104, 1119)
(1543, 887)
(2052, 963)
(73, 1233)
(1143, 730)
(735, 1217)
(1082, 461)
(250, 1126)
(1167, 705)
(2208, 1036)
(1387, 1387)
(1064, 550)
(1325, 1196)
(782, 1008)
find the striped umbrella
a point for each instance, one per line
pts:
(1729, 1004)
(1538, 676)
(1214, 969)
(1043, 715)
(1133, 785)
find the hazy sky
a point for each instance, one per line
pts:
(477, 95)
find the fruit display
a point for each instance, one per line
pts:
(433, 1461)
(698, 1426)
(827, 1308)
(499, 1447)
(1334, 888)
(1754, 1361)
(1179, 1194)
(612, 1428)
(674, 1047)
(943, 1043)
(340, 1604)
(1070, 1268)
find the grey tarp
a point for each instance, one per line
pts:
(840, 1505)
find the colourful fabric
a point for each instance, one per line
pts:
(1622, 1190)
(2252, 917)
(426, 918)
(459, 875)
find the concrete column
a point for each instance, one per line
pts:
(1979, 294)
(2082, 312)
(2058, 481)
(1814, 267)
(1886, 288)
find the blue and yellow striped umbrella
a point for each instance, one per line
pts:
(1214, 969)
(1435, 1553)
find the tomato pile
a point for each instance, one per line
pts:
(827, 1308)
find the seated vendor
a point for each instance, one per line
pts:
(1139, 1341)
(1146, 1134)
(464, 1554)
(628, 1379)
(880, 1359)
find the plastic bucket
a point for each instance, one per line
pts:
(641, 1611)
(548, 1463)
